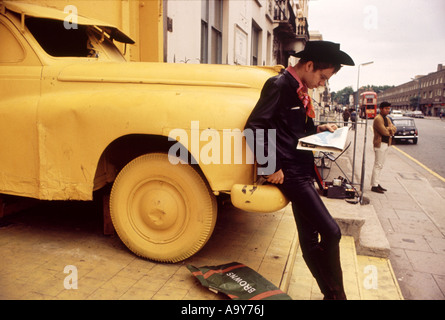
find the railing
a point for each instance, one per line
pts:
(283, 12)
(302, 27)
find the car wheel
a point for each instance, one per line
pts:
(161, 211)
(415, 141)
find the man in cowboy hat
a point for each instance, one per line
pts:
(285, 106)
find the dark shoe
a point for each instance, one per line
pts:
(381, 188)
(377, 189)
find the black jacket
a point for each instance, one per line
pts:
(280, 108)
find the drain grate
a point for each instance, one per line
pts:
(409, 175)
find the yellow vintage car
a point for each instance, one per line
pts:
(75, 116)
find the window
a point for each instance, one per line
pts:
(58, 41)
(269, 49)
(211, 31)
(86, 41)
(256, 31)
(10, 49)
(403, 122)
(204, 31)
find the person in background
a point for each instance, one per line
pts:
(353, 118)
(346, 115)
(384, 129)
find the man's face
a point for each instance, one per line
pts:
(385, 111)
(314, 79)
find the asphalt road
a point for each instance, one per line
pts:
(430, 149)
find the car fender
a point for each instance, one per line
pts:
(77, 120)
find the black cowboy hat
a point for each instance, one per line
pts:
(324, 51)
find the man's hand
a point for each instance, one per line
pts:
(328, 126)
(276, 178)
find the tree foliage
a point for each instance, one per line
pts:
(342, 96)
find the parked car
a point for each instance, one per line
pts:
(418, 114)
(406, 129)
(414, 114)
(396, 113)
(76, 117)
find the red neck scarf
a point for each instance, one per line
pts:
(302, 94)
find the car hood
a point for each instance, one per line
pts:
(169, 74)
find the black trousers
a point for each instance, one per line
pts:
(318, 232)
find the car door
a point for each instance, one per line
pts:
(20, 74)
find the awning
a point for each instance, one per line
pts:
(55, 14)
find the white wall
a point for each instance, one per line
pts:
(185, 40)
(184, 43)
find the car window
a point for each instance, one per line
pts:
(404, 123)
(10, 49)
(85, 41)
(56, 40)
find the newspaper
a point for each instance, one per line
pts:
(325, 141)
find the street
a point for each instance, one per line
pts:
(430, 148)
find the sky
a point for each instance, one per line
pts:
(403, 38)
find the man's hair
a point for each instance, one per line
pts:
(384, 104)
(318, 65)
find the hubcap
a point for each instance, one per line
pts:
(158, 211)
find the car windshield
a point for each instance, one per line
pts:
(85, 41)
(404, 123)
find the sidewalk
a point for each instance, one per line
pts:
(41, 246)
(37, 245)
(413, 219)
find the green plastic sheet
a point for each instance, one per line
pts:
(238, 282)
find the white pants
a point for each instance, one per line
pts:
(380, 156)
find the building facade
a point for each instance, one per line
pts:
(430, 89)
(245, 32)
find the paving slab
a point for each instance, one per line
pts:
(36, 247)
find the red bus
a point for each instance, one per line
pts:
(368, 102)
